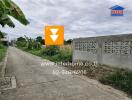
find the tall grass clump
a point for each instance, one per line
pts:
(121, 79)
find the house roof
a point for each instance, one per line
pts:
(116, 7)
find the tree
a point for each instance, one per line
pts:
(39, 39)
(68, 41)
(21, 39)
(2, 35)
(32, 44)
(21, 42)
(9, 8)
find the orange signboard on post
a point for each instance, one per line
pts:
(54, 35)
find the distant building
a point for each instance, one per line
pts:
(117, 11)
(4, 40)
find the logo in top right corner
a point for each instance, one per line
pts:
(117, 10)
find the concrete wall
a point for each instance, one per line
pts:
(114, 50)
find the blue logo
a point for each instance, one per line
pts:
(117, 10)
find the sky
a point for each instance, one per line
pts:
(81, 18)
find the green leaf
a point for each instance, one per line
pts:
(9, 8)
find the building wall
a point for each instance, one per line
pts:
(114, 50)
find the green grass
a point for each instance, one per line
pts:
(62, 56)
(121, 79)
(2, 52)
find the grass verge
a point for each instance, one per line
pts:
(121, 79)
(51, 54)
(2, 52)
(118, 78)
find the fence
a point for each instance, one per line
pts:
(114, 50)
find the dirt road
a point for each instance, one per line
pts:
(37, 81)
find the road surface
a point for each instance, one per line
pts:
(37, 81)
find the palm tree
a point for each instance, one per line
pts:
(9, 8)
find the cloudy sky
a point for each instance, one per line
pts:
(81, 18)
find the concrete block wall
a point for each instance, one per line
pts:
(114, 50)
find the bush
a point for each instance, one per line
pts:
(21, 44)
(37, 45)
(121, 79)
(1, 46)
(54, 53)
(50, 50)
(63, 56)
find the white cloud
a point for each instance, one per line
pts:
(80, 17)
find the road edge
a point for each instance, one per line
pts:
(4, 65)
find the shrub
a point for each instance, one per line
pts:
(50, 50)
(121, 79)
(54, 53)
(37, 45)
(1, 46)
(20, 44)
(63, 56)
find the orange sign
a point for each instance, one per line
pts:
(54, 35)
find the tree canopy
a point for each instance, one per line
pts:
(21, 39)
